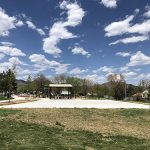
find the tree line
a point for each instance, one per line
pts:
(115, 87)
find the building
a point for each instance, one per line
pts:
(59, 91)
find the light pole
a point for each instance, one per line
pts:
(125, 89)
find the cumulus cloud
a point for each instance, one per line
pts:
(11, 51)
(109, 3)
(59, 29)
(42, 64)
(80, 51)
(2, 56)
(124, 68)
(126, 26)
(123, 54)
(7, 23)
(105, 69)
(139, 59)
(140, 28)
(19, 23)
(133, 39)
(77, 71)
(32, 26)
(95, 78)
(147, 13)
(129, 74)
(10, 64)
(16, 61)
(119, 28)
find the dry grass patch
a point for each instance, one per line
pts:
(130, 122)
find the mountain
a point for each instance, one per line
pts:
(21, 82)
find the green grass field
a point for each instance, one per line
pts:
(75, 129)
(3, 98)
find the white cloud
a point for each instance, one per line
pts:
(96, 78)
(118, 28)
(123, 54)
(139, 59)
(141, 30)
(2, 56)
(124, 68)
(42, 64)
(79, 50)
(105, 69)
(11, 51)
(6, 23)
(19, 23)
(129, 74)
(125, 27)
(59, 29)
(61, 69)
(5, 66)
(136, 11)
(16, 61)
(32, 26)
(77, 71)
(13, 61)
(147, 13)
(7, 44)
(75, 13)
(24, 73)
(133, 39)
(109, 3)
(57, 32)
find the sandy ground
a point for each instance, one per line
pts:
(101, 104)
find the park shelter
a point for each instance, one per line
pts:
(65, 90)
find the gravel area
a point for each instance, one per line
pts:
(101, 104)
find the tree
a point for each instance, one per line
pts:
(149, 93)
(59, 79)
(30, 85)
(40, 82)
(117, 84)
(86, 87)
(10, 82)
(132, 89)
(76, 83)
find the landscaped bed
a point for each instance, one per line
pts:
(75, 129)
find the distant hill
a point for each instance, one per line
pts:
(21, 82)
(107, 84)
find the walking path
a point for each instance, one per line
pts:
(101, 104)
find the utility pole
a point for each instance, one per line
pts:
(125, 89)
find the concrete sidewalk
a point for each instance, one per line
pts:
(101, 104)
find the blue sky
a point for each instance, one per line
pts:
(88, 39)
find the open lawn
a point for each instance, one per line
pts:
(75, 129)
(3, 98)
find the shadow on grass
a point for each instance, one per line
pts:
(19, 135)
(7, 112)
(134, 112)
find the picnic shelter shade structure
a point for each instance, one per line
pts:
(61, 87)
